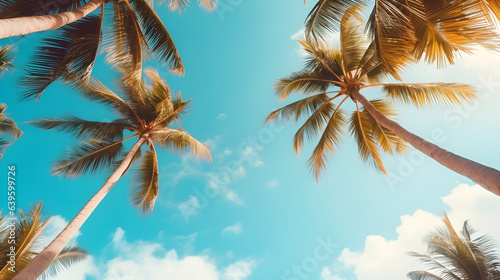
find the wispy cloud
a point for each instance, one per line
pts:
(233, 229)
(273, 183)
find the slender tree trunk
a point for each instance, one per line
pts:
(487, 177)
(10, 27)
(43, 260)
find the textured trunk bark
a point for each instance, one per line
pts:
(487, 177)
(26, 25)
(42, 261)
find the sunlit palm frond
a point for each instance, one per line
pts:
(352, 38)
(89, 157)
(313, 124)
(359, 126)
(446, 27)
(392, 32)
(158, 96)
(177, 5)
(458, 257)
(98, 92)
(124, 45)
(431, 94)
(180, 140)
(306, 106)
(325, 17)
(157, 36)
(66, 258)
(371, 68)
(491, 9)
(323, 59)
(83, 128)
(386, 139)
(146, 183)
(302, 81)
(209, 5)
(9, 126)
(69, 54)
(6, 59)
(328, 142)
(180, 107)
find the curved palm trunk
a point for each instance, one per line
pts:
(487, 177)
(26, 25)
(42, 261)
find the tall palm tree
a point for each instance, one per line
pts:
(7, 126)
(6, 59)
(146, 110)
(29, 16)
(29, 228)
(458, 256)
(354, 67)
(404, 31)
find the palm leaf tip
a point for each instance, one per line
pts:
(181, 141)
(146, 184)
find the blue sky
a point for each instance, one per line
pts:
(255, 212)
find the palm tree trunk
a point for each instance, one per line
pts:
(26, 25)
(42, 261)
(487, 177)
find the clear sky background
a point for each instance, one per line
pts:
(256, 211)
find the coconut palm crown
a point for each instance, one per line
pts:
(405, 31)
(128, 28)
(464, 256)
(29, 229)
(342, 74)
(146, 110)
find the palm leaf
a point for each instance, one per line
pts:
(180, 5)
(8, 126)
(307, 105)
(157, 36)
(146, 183)
(352, 38)
(303, 81)
(423, 275)
(66, 258)
(428, 94)
(88, 157)
(84, 129)
(392, 33)
(6, 58)
(325, 17)
(180, 140)
(321, 59)
(327, 143)
(368, 150)
(69, 54)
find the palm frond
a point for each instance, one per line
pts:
(306, 106)
(69, 54)
(6, 59)
(146, 183)
(323, 60)
(392, 33)
(83, 128)
(325, 17)
(367, 143)
(328, 142)
(89, 157)
(9, 126)
(157, 36)
(431, 94)
(66, 258)
(352, 38)
(209, 5)
(423, 275)
(180, 140)
(302, 81)
(386, 139)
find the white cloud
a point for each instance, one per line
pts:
(151, 261)
(221, 116)
(189, 207)
(326, 274)
(273, 183)
(234, 229)
(299, 35)
(239, 270)
(388, 259)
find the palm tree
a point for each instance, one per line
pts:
(352, 68)
(146, 110)
(28, 234)
(6, 59)
(7, 126)
(461, 257)
(25, 17)
(404, 31)
(71, 51)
